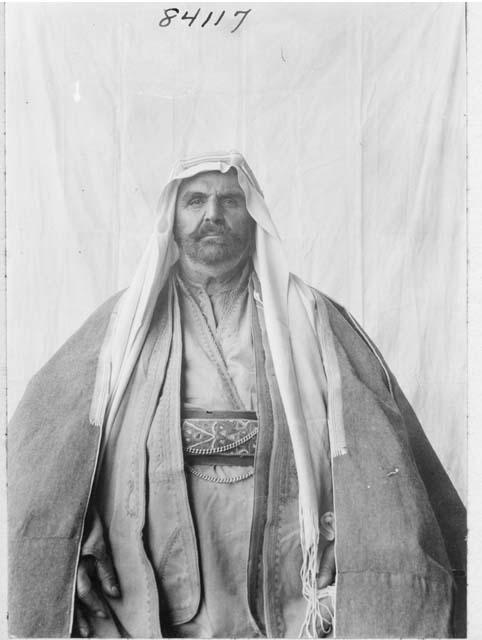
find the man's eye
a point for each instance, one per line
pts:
(230, 202)
(195, 202)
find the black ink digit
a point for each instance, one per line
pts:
(207, 19)
(190, 18)
(168, 16)
(219, 19)
(245, 13)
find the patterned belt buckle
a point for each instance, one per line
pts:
(220, 436)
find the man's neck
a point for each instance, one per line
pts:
(212, 278)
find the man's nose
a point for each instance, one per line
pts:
(213, 211)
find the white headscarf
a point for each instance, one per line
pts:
(299, 335)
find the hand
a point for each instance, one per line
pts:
(95, 569)
(326, 577)
(90, 573)
(327, 570)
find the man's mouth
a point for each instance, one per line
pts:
(210, 231)
(213, 235)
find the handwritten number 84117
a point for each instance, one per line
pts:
(173, 12)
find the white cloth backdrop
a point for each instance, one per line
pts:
(351, 116)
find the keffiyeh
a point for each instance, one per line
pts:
(300, 339)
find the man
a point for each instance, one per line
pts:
(193, 460)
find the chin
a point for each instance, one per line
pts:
(214, 255)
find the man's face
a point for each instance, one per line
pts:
(212, 225)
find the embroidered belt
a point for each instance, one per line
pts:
(219, 437)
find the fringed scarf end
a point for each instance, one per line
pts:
(339, 450)
(318, 617)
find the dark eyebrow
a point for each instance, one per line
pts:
(232, 194)
(192, 194)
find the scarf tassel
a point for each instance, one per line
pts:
(318, 617)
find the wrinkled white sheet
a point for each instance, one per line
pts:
(351, 116)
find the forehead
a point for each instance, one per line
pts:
(211, 181)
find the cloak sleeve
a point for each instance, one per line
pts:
(52, 450)
(447, 506)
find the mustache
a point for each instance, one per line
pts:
(208, 228)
